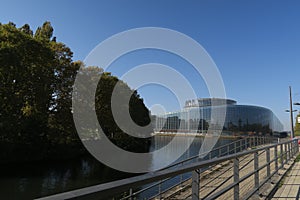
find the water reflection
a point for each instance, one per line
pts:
(32, 180)
(28, 181)
(177, 147)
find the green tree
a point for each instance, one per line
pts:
(26, 29)
(137, 110)
(297, 126)
(103, 97)
(37, 74)
(45, 32)
(26, 74)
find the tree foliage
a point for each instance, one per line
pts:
(37, 74)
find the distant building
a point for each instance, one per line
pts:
(195, 117)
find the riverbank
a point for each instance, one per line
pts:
(17, 152)
(11, 153)
(198, 135)
(36, 179)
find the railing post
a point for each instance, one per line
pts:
(286, 153)
(256, 175)
(241, 143)
(294, 147)
(289, 148)
(228, 149)
(236, 178)
(130, 194)
(181, 177)
(281, 155)
(235, 147)
(159, 189)
(195, 185)
(268, 162)
(276, 158)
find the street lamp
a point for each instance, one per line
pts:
(289, 110)
(292, 123)
(291, 113)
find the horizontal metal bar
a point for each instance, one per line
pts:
(197, 156)
(107, 189)
(231, 186)
(149, 187)
(255, 189)
(216, 149)
(219, 193)
(173, 186)
(194, 157)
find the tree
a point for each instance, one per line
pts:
(297, 126)
(137, 110)
(26, 74)
(37, 74)
(26, 29)
(45, 32)
(103, 97)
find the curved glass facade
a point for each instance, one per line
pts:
(196, 118)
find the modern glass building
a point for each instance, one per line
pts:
(239, 119)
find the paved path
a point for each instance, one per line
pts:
(290, 188)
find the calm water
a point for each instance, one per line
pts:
(32, 180)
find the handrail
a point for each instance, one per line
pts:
(216, 149)
(245, 139)
(254, 141)
(111, 188)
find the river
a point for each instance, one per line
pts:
(32, 180)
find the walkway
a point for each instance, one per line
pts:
(221, 176)
(290, 188)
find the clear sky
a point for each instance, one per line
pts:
(255, 44)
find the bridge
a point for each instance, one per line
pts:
(250, 168)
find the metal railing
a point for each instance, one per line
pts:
(230, 148)
(262, 161)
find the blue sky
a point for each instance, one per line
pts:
(255, 44)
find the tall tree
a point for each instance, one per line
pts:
(45, 32)
(37, 74)
(26, 71)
